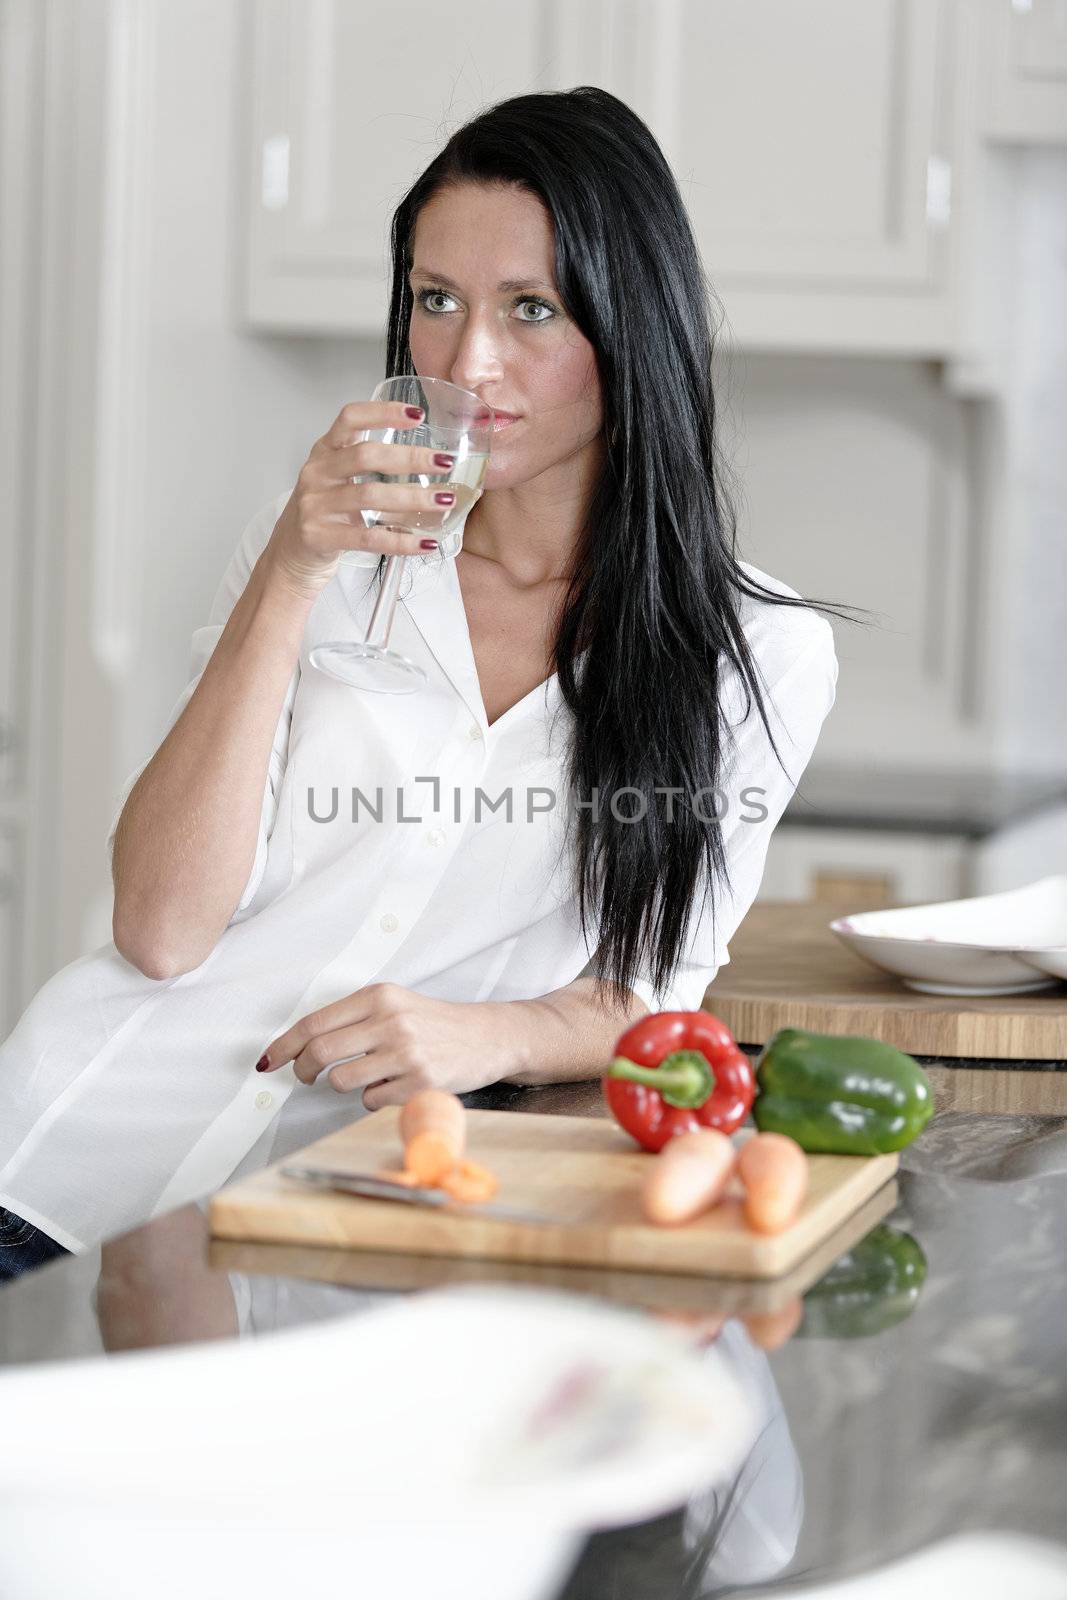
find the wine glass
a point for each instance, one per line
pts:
(455, 420)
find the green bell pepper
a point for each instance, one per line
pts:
(839, 1095)
(872, 1287)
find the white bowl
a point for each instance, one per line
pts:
(989, 944)
(1048, 958)
(461, 1442)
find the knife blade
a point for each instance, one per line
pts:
(372, 1187)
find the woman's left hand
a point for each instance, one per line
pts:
(405, 1042)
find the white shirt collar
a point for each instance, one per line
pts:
(430, 594)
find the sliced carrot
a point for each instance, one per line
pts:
(433, 1128)
(430, 1157)
(470, 1182)
(774, 1171)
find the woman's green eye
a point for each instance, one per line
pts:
(423, 296)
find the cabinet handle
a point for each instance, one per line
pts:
(938, 192)
(274, 176)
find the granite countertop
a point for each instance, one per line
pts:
(902, 800)
(892, 1422)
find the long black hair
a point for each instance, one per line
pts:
(650, 615)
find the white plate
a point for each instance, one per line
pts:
(986, 945)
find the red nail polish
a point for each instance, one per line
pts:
(261, 1064)
(427, 544)
(414, 412)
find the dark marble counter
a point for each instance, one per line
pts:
(894, 1418)
(901, 800)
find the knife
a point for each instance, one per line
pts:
(375, 1188)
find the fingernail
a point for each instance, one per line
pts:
(444, 499)
(427, 544)
(414, 412)
(262, 1064)
(444, 461)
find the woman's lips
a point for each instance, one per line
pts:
(503, 420)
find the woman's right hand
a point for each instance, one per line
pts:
(322, 518)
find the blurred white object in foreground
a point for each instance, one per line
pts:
(460, 1443)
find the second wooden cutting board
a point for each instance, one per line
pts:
(583, 1172)
(787, 970)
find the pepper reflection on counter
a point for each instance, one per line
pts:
(870, 1288)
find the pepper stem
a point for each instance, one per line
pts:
(683, 1078)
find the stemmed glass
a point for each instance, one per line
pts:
(454, 420)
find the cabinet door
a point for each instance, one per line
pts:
(349, 104)
(1027, 85)
(866, 487)
(862, 869)
(813, 146)
(805, 135)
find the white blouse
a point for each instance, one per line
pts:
(123, 1096)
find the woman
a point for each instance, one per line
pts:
(596, 651)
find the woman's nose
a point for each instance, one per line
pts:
(478, 358)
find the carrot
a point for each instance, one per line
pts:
(771, 1329)
(429, 1156)
(774, 1171)
(688, 1176)
(470, 1182)
(433, 1108)
(433, 1128)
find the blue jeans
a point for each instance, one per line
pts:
(23, 1247)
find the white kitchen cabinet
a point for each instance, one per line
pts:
(348, 105)
(814, 145)
(10, 927)
(837, 237)
(864, 868)
(21, 641)
(11, 639)
(1026, 85)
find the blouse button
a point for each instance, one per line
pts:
(264, 1101)
(389, 923)
(474, 732)
(435, 836)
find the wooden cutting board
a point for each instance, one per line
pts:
(787, 970)
(583, 1172)
(679, 1294)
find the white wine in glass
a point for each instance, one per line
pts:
(456, 421)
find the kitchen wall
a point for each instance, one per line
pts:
(214, 421)
(1034, 484)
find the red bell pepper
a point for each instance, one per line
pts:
(676, 1071)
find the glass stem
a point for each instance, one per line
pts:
(382, 616)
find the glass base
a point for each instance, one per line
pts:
(368, 666)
